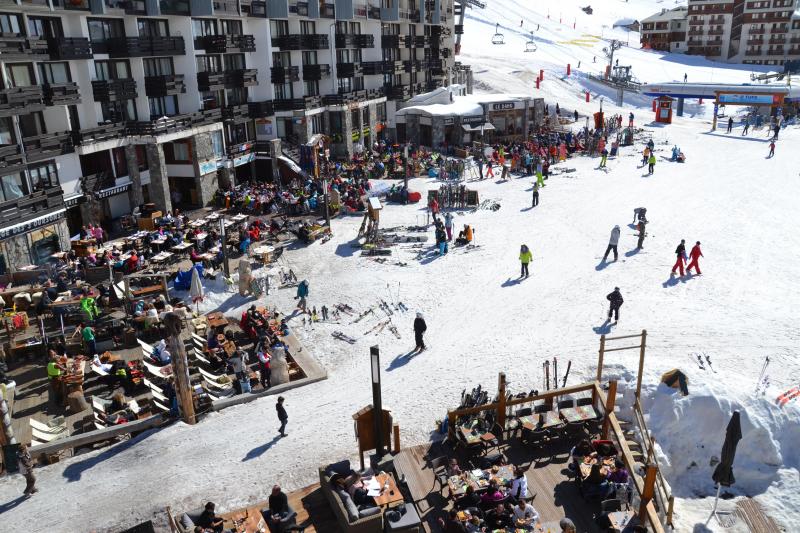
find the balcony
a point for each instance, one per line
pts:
(11, 157)
(348, 70)
(327, 11)
(695, 32)
(224, 44)
(411, 15)
(32, 205)
(145, 46)
(284, 74)
(371, 68)
(155, 86)
(412, 65)
(398, 92)
(351, 97)
(18, 100)
(310, 41)
(415, 41)
(114, 90)
(71, 5)
(751, 53)
(137, 7)
(296, 104)
(67, 93)
(173, 124)
(65, 48)
(393, 41)
(210, 81)
(175, 7)
(258, 8)
(754, 31)
(47, 146)
(22, 48)
(316, 72)
(351, 40)
(299, 8)
(777, 40)
(245, 77)
(716, 32)
(261, 109)
(106, 132)
(226, 7)
(236, 114)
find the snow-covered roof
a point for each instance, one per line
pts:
(470, 104)
(680, 12)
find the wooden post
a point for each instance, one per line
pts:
(127, 295)
(451, 424)
(609, 408)
(600, 358)
(396, 435)
(501, 400)
(180, 367)
(165, 286)
(648, 491)
(641, 364)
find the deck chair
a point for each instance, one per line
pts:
(438, 466)
(200, 356)
(217, 394)
(99, 371)
(42, 433)
(610, 506)
(219, 379)
(147, 348)
(541, 408)
(153, 369)
(156, 391)
(199, 342)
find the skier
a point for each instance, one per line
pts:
(771, 149)
(645, 155)
(434, 207)
(680, 253)
(612, 244)
(535, 200)
(630, 120)
(730, 124)
(575, 114)
(441, 238)
(448, 225)
(302, 294)
(675, 152)
(777, 129)
(651, 164)
(558, 109)
(479, 159)
(615, 302)
(525, 257)
(640, 213)
(419, 329)
(603, 158)
(746, 126)
(641, 228)
(520, 23)
(685, 77)
(695, 255)
(489, 171)
(539, 173)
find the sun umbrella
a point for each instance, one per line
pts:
(723, 473)
(196, 288)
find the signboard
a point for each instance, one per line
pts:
(472, 120)
(207, 167)
(503, 106)
(749, 99)
(448, 121)
(241, 160)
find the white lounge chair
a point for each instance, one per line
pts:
(155, 370)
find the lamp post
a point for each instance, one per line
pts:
(377, 406)
(224, 246)
(332, 47)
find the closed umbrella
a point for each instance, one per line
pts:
(723, 473)
(196, 289)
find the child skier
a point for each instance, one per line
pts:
(695, 255)
(680, 253)
(603, 158)
(645, 155)
(651, 164)
(539, 173)
(771, 149)
(535, 200)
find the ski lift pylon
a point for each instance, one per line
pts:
(498, 37)
(530, 46)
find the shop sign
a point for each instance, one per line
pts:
(448, 121)
(112, 191)
(749, 99)
(503, 106)
(242, 159)
(24, 227)
(473, 120)
(207, 167)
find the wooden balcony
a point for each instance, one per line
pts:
(173, 124)
(301, 42)
(393, 41)
(316, 72)
(22, 48)
(296, 104)
(106, 132)
(261, 109)
(65, 48)
(348, 70)
(61, 93)
(174, 7)
(225, 44)
(21, 100)
(210, 81)
(398, 92)
(156, 86)
(47, 146)
(355, 40)
(245, 77)
(71, 5)
(11, 158)
(114, 90)
(31, 206)
(284, 74)
(236, 114)
(145, 46)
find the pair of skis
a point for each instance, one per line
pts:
(546, 368)
(788, 396)
(763, 378)
(342, 337)
(386, 308)
(697, 358)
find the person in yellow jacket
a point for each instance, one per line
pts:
(525, 257)
(645, 155)
(651, 162)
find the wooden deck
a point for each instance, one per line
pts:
(750, 513)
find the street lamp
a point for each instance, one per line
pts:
(377, 404)
(223, 246)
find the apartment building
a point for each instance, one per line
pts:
(107, 104)
(665, 31)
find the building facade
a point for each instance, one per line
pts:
(665, 31)
(108, 104)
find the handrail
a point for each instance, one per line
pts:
(649, 443)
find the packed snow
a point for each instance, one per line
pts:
(481, 320)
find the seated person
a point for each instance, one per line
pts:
(579, 451)
(469, 499)
(453, 469)
(618, 473)
(493, 493)
(525, 515)
(474, 525)
(160, 353)
(518, 487)
(278, 506)
(464, 236)
(209, 520)
(595, 485)
(452, 524)
(499, 518)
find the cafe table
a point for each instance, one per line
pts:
(623, 521)
(182, 247)
(200, 236)
(248, 520)
(473, 437)
(200, 222)
(586, 467)
(546, 527)
(578, 414)
(390, 495)
(216, 319)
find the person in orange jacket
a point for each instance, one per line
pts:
(695, 256)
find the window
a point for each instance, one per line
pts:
(120, 111)
(390, 29)
(341, 27)
(163, 106)
(217, 144)
(32, 124)
(365, 116)
(236, 96)
(12, 186)
(354, 116)
(51, 73)
(336, 120)
(380, 112)
(279, 28)
(316, 123)
(158, 66)
(100, 30)
(141, 157)
(20, 74)
(203, 27)
(153, 28)
(7, 131)
(311, 87)
(233, 62)
(241, 133)
(308, 27)
(281, 59)
(309, 58)
(120, 162)
(113, 69)
(355, 28)
(231, 27)
(283, 91)
(208, 64)
(46, 27)
(11, 23)
(213, 99)
(43, 176)
(178, 152)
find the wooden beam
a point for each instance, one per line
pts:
(501, 400)
(623, 348)
(396, 436)
(641, 364)
(98, 435)
(600, 358)
(609, 408)
(623, 337)
(648, 490)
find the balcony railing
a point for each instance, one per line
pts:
(756, 40)
(348, 70)
(69, 48)
(316, 72)
(173, 124)
(169, 84)
(752, 31)
(47, 146)
(382, 67)
(226, 7)
(16, 100)
(106, 132)
(32, 205)
(393, 41)
(114, 90)
(223, 44)
(174, 7)
(145, 46)
(293, 104)
(11, 156)
(327, 11)
(236, 113)
(22, 48)
(246, 77)
(67, 93)
(301, 42)
(716, 32)
(71, 5)
(261, 109)
(777, 40)
(210, 81)
(284, 74)
(299, 8)
(398, 92)
(258, 8)
(350, 40)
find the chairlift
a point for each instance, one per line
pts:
(530, 46)
(498, 37)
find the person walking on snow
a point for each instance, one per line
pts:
(282, 416)
(730, 124)
(641, 228)
(489, 171)
(680, 252)
(612, 244)
(645, 155)
(302, 294)
(448, 225)
(575, 114)
(651, 164)
(419, 330)
(525, 257)
(441, 238)
(630, 120)
(615, 302)
(771, 149)
(539, 174)
(746, 126)
(535, 200)
(695, 256)
(603, 158)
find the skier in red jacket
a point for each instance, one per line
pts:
(695, 255)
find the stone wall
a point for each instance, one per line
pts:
(159, 182)
(135, 192)
(205, 184)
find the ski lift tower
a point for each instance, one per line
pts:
(460, 9)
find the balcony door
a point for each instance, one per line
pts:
(45, 27)
(153, 28)
(20, 75)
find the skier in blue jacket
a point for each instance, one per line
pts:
(302, 294)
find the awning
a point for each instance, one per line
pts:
(32, 224)
(486, 126)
